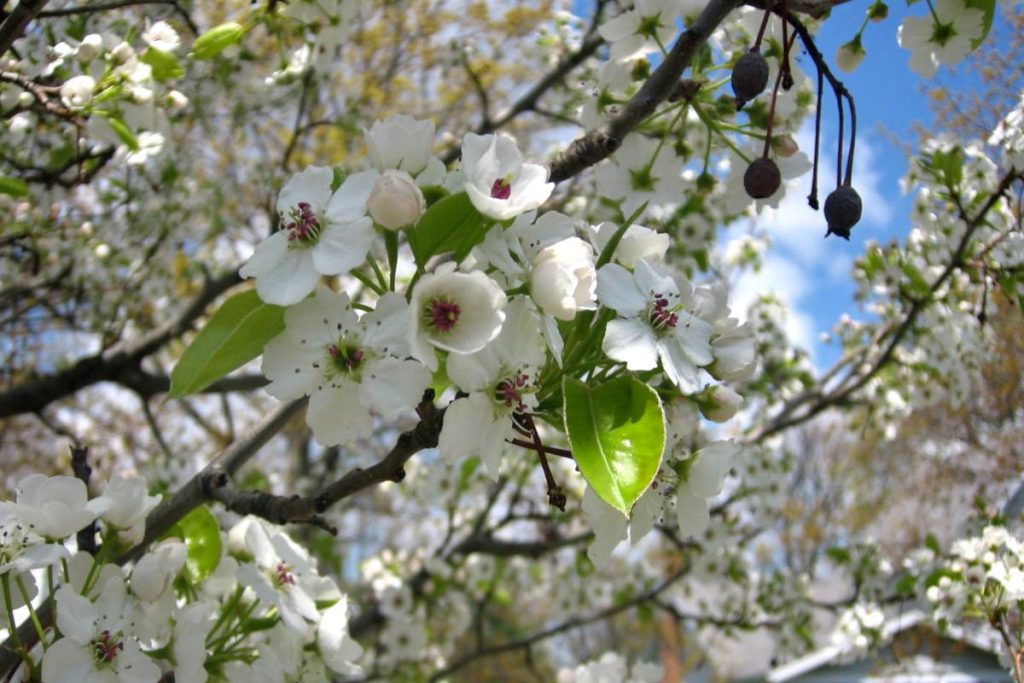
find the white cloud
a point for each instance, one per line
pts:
(789, 282)
(800, 260)
(799, 228)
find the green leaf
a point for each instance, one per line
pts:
(165, 65)
(919, 286)
(234, 335)
(432, 194)
(451, 224)
(214, 41)
(16, 187)
(907, 585)
(124, 133)
(950, 165)
(988, 9)
(337, 179)
(200, 531)
(932, 543)
(617, 434)
(838, 555)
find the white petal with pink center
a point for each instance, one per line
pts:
(498, 183)
(322, 233)
(658, 323)
(98, 642)
(452, 311)
(348, 366)
(501, 380)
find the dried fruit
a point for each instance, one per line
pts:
(749, 77)
(842, 211)
(762, 178)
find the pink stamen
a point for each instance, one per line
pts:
(661, 316)
(304, 225)
(283, 574)
(106, 647)
(442, 315)
(501, 189)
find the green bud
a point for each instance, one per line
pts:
(878, 11)
(217, 39)
(705, 182)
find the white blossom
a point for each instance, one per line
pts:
(498, 183)
(453, 311)
(564, 280)
(656, 324)
(347, 365)
(323, 233)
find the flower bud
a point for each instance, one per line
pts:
(77, 91)
(564, 279)
(719, 403)
(395, 200)
(122, 52)
(850, 55)
(90, 47)
(785, 146)
(175, 101)
(153, 574)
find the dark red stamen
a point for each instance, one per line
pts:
(349, 359)
(501, 189)
(442, 315)
(510, 391)
(303, 226)
(661, 316)
(106, 647)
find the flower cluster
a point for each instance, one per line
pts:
(133, 623)
(496, 322)
(982, 575)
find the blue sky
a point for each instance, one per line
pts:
(813, 274)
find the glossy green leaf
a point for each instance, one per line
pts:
(200, 531)
(452, 224)
(214, 41)
(165, 66)
(617, 434)
(988, 10)
(124, 133)
(16, 187)
(235, 334)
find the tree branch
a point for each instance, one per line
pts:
(562, 627)
(194, 492)
(601, 142)
(34, 395)
(14, 25)
(215, 482)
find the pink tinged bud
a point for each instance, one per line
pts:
(501, 189)
(786, 146)
(442, 315)
(395, 201)
(719, 403)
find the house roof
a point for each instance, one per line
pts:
(985, 639)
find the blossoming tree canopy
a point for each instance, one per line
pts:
(447, 290)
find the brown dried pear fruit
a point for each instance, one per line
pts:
(762, 178)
